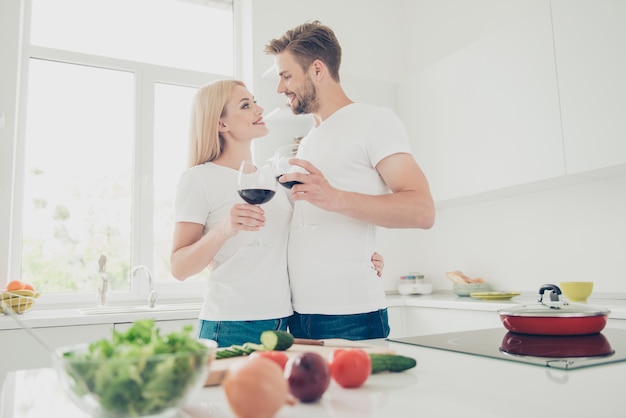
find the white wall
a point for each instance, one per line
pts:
(572, 230)
(519, 243)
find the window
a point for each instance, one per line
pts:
(108, 95)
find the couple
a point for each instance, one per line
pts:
(316, 283)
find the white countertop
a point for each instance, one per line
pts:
(444, 384)
(448, 300)
(37, 317)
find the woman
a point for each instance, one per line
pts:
(249, 286)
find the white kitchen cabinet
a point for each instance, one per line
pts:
(397, 321)
(424, 321)
(21, 351)
(482, 104)
(590, 47)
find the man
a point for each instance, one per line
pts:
(361, 175)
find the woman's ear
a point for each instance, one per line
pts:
(222, 127)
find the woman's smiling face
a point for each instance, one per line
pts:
(243, 118)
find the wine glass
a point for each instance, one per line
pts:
(282, 155)
(257, 185)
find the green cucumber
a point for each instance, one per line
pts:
(250, 347)
(240, 349)
(276, 340)
(280, 340)
(226, 353)
(391, 363)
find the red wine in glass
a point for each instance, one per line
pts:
(256, 196)
(281, 159)
(257, 185)
(287, 184)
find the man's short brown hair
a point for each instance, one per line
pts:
(309, 42)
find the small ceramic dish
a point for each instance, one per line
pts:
(494, 295)
(464, 289)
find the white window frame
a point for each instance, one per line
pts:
(142, 227)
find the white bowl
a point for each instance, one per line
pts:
(415, 288)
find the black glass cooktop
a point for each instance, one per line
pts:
(562, 352)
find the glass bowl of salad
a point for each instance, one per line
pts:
(136, 373)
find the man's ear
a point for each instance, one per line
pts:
(318, 67)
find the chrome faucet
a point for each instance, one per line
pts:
(152, 295)
(104, 285)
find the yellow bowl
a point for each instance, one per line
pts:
(577, 291)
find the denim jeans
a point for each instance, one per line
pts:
(362, 326)
(228, 333)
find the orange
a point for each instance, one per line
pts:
(29, 286)
(15, 285)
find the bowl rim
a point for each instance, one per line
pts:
(83, 348)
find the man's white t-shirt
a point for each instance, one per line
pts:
(330, 267)
(246, 283)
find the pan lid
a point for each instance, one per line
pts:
(551, 303)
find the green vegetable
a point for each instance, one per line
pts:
(129, 376)
(391, 363)
(276, 340)
(253, 347)
(237, 350)
(270, 340)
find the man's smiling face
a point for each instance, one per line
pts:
(296, 84)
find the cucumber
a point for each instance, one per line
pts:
(281, 340)
(240, 349)
(276, 340)
(391, 363)
(250, 347)
(225, 353)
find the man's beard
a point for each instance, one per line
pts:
(307, 99)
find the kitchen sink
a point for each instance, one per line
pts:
(102, 310)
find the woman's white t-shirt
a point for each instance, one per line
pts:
(246, 283)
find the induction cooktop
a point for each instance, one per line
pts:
(562, 352)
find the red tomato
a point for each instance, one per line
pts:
(350, 368)
(278, 356)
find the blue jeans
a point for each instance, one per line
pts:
(362, 326)
(228, 333)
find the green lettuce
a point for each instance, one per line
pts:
(138, 372)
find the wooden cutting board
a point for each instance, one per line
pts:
(219, 367)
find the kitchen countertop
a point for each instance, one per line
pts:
(443, 384)
(41, 317)
(448, 300)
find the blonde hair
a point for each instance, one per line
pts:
(209, 105)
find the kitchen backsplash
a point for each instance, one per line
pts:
(573, 233)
